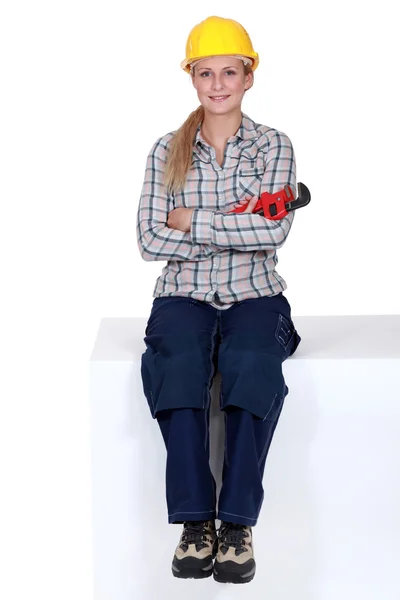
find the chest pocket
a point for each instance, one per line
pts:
(250, 181)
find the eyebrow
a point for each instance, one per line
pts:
(223, 68)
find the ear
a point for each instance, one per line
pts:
(248, 81)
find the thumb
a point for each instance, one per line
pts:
(251, 204)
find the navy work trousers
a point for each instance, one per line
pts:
(187, 341)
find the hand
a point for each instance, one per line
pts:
(251, 201)
(180, 218)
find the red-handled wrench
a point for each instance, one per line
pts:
(276, 206)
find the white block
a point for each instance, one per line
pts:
(329, 527)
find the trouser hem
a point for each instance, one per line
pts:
(180, 517)
(239, 519)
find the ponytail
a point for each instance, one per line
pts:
(181, 151)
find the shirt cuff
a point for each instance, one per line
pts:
(200, 229)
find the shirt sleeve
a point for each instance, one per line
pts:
(248, 231)
(157, 241)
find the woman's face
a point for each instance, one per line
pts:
(220, 82)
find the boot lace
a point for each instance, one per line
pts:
(194, 533)
(230, 534)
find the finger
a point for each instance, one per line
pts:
(251, 204)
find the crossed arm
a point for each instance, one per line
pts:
(196, 234)
(181, 218)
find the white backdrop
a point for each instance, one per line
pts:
(87, 87)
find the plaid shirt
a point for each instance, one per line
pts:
(225, 258)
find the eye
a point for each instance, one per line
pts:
(231, 72)
(204, 73)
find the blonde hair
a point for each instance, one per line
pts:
(179, 158)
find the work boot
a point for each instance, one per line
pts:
(235, 560)
(195, 552)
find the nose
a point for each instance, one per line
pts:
(216, 82)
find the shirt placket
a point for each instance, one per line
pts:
(221, 202)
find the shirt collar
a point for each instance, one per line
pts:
(247, 131)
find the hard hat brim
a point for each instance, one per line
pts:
(185, 64)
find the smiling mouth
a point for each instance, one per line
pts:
(218, 98)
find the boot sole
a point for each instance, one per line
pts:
(230, 573)
(192, 568)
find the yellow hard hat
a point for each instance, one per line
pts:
(216, 36)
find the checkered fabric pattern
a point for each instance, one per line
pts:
(225, 258)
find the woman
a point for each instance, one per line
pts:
(218, 303)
